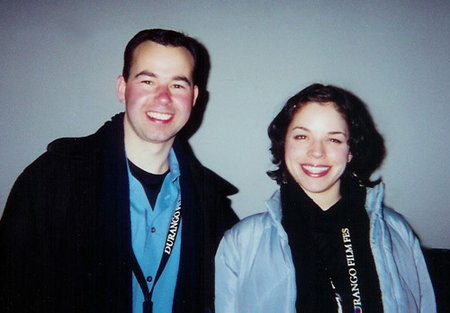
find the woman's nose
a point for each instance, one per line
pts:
(317, 149)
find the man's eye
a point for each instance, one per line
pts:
(147, 82)
(178, 86)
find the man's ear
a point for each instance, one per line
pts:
(121, 86)
(195, 95)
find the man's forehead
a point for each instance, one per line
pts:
(154, 46)
(149, 55)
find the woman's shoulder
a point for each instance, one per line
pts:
(260, 221)
(397, 224)
(392, 219)
(251, 238)
(251, 224)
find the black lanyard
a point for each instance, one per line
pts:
(170, 242)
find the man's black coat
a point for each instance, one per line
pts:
(65, 237)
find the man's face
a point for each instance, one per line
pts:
(159, 94)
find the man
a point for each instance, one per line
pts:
(126, 219)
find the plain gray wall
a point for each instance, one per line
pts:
(59, 62)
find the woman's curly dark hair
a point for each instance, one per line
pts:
(366, 143)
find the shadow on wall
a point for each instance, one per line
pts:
(201, 77)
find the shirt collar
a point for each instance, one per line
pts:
(174, 168)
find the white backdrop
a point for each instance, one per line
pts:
(59, 62)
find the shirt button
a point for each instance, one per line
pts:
(149, 279)
(153, 229)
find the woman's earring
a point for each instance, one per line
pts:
(358, 180)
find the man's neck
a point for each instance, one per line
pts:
(150, 157)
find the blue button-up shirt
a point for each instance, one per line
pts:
(148, 234)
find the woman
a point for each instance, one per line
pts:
(326, 242)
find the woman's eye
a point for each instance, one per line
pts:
(299, 137)
(334, 140)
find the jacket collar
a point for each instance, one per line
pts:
(374, 199)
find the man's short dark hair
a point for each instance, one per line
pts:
(163, 37)
(366, 143)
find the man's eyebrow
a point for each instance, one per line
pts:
(183, 78)
(145, 73)
(177, 78)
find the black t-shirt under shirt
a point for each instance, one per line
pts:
(152, 183)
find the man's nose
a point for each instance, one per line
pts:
(163, 95)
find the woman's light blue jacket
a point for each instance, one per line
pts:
(255, 272)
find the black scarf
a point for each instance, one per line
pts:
(319, 255)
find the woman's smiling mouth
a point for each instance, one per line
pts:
(315, 170)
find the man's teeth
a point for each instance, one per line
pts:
(316, 169)
(159, 116)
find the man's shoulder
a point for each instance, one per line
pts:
(201, 174)
(211, 178)
(62, 155)
(74, 147)
(64, 151)
(80, 147)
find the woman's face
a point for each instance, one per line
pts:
(317, 151)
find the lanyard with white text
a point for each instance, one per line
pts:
(170, 242)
